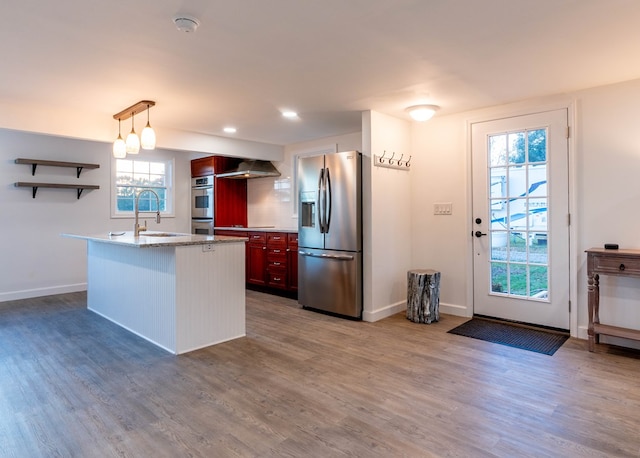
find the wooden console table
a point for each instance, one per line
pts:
(624, 263)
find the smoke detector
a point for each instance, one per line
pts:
(186, 24)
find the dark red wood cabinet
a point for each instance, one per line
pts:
(229, 195)
(277, 260)
(257, 259)
(292, 261)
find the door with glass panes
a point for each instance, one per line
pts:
(521, 218)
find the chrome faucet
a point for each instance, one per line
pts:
(136, 227)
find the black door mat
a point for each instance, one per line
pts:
(516, 336)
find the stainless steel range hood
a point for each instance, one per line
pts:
(251, 168)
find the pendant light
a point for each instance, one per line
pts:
(133, 142)
(148, 136)
(119, 146)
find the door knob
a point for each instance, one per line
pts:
(479, 234)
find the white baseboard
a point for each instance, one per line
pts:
(392, 309)
(384, 312)
(39, 292)
(455, 309)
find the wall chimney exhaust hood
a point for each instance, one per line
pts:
(250, 168)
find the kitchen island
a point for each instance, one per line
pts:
(181, 292)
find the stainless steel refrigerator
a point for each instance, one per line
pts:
(330, 233)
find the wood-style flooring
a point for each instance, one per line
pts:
(303, 384)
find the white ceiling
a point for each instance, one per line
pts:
(68, 66)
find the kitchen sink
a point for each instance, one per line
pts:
(161, 234)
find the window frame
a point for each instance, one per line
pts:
(170, 187)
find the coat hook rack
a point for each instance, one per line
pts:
(391, 162)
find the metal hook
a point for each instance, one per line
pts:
(381, 158)
(400, 160)
(408, 163)
(391, 158)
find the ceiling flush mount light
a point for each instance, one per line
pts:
(230, 130)
(187, 24)
(422, 112)
(132, 145)
(289, 114)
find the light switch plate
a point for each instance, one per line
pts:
(442, 208)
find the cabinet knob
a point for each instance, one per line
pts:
(621, 267)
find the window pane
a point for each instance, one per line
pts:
(123, 165)
(537, 145)
(499, 277)
(518, 279)
(539, 282)
(157, 168)
(141, 167)
(516, 148)
(498, 150)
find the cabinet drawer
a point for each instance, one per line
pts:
(277, 279)
(616, 265)
(276, 239)
(276, 263)
(292, 241)
(273, 253)
(257, 238)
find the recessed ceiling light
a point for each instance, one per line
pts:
(230, 130)
(289, 114)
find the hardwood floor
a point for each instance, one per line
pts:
(304, 384)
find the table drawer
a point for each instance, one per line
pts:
(616, 265)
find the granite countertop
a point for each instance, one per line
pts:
(149, 239)
(257, 229)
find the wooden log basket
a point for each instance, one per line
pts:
(423, 295)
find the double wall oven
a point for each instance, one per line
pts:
(202, 205)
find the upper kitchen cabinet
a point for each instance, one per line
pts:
(229, 196)
(202, 167)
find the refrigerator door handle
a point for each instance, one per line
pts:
(321, 202)
(339, 257)
(327, 217)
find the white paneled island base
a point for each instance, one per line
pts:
(180, 296)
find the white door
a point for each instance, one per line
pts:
(521, 218)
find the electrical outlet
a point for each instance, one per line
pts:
(208, 247)
(442, 208)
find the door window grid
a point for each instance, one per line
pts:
(518, 213)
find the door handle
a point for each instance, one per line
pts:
(479, 234)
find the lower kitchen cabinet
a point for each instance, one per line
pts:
(271, 259)
(257, 259)
(292, 261)
(277, 260)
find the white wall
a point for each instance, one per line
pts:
(387, 217)
(35, 259)
(605, 200)
(440, 174)
(270, 200)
